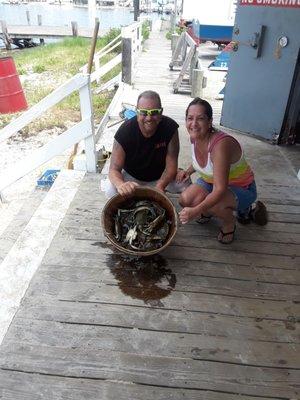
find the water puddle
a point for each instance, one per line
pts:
(144, 278)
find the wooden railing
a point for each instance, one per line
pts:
(185, 55)
(85, 129)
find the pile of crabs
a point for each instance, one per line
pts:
(142, 226)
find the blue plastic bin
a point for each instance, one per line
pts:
(48, 177)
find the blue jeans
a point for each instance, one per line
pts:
(244, 196)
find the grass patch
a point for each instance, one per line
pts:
(145, 30)
(45, 68)
(178, 30)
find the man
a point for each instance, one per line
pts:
(145, 150)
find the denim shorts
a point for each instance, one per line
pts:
(244, 196)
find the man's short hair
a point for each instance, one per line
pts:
(150, 94)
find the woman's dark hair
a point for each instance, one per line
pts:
(200, 102)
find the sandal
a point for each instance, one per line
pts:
(204, 219)
(259, 214)
(223, 234)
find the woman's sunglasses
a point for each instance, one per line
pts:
(149, 113)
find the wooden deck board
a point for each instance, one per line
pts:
(198, 321)
(54, 387)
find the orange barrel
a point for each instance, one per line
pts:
(12, 98)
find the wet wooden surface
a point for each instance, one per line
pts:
(201, 320)
(198, 321)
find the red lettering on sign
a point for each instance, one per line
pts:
(271, 3)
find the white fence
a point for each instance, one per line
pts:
(84, 130)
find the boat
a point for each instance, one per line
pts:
(211, 20)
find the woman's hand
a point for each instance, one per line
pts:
(127, 188)
(182, 176)
(187, 214)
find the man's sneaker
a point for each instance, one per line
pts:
(259, 213)
(245, 217)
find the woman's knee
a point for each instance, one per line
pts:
(192, 196)
(184, 199)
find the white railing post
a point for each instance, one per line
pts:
(86, 107)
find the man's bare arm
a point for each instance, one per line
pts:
(117, 161)
(170, 171)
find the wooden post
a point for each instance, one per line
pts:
(28, 17)
(74, 28)
(184, 50)
(94, 42)
(175, 10)
(6, 38)
(138, 38)
(197, 80)
(97, 66)
(174, 40)
(127, 60)
(136, 5)
(193, 63)
(173, 22)
(86, 107)
(39, 18)
(177, 52)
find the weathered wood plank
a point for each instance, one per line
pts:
(86, 230)
(26, 386)
(184, 301)
(150, 370)
(276, 327)
(87, 273)
(203, 347)
(230, 254)
(198, 236)
(185, 283)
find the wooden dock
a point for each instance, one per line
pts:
(199, 321)
(53, 32)
(23, 35)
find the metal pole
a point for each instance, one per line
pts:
(136, 5)
(181, 11)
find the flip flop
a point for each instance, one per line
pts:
(223, 234)
(204, 219)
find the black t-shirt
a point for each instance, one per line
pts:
(145, 158)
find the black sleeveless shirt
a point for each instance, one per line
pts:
(145, 158)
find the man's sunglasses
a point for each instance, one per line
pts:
(149, 113)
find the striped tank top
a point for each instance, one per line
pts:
(240, 173)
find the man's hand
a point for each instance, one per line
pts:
(127, 188)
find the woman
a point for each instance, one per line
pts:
(225, 181)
